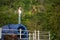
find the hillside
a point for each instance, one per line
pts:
(36, 14)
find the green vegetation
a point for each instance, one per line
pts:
(36, 14)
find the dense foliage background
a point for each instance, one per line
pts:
(36, 14)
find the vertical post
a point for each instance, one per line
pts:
(49, 35)
(20, 34)
(35, 34)
(29, 36)
(0, 32)
(19, 19)
(33, 37)
(19, 15)
(38, 35)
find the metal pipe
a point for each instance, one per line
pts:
(0, 33)
(35, 34)
(49, 35)
(20, 33)
(38, 35)
(19, 15)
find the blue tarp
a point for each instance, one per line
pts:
(16, 27)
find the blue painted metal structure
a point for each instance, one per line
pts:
(16, 27)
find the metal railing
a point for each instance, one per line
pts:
(32, 35)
